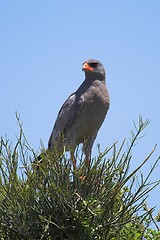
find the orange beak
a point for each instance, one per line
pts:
(86, 67)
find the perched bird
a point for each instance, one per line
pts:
(82, 114)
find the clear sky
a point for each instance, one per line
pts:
(42, 47)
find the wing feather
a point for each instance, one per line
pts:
(66, 116)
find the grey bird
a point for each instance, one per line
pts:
(82, 114)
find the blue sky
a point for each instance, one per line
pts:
(43, 44)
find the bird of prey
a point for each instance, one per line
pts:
(82, 114)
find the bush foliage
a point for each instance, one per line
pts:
(52, 200)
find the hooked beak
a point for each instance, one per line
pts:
(86, 67)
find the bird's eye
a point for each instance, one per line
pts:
(93, 64)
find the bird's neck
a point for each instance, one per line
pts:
(88, 82)
(91, 77)
(92, 80)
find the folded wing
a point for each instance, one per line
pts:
(66, 116)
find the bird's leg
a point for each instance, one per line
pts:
(87, 152)
(88, 159)
(88, 148)
(73, 160)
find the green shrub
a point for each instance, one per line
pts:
(51, 200)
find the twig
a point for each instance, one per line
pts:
(85, 204)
